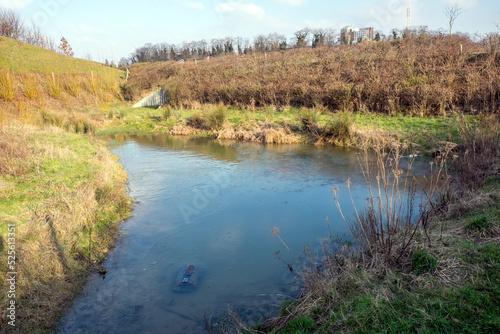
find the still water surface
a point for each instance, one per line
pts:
(213, 205)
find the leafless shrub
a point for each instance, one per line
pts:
(386, 228)
(477, 158)
(11, 24)
(422, 74)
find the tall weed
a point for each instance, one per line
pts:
(385, 228)
(477, 158)
(7, 86)
(53, 86)
(72, 85)
(30, 86)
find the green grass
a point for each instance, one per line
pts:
(73, 182)
(420, 130)
(424, 131)
(424, 262)
(19, 57)
(394, 303)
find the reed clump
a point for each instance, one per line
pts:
(71, 121)
(208, 119)
(53, 85)
(72, 85)
(30, 86)
(7, 86)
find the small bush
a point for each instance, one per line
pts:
(167, 113)
(309, 122)
(339, 129)
(215, 118)
(423, 262)
(13, 155)
(129, 92)
(198, 121)
(476, 158)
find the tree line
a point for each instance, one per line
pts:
(231, 45)
(13, 26)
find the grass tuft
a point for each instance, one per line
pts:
(422, 262)
(53, 86)
(29, 84)
(7, 86)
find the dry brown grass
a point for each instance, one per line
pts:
(30, 85)
(7, 86)
(65, 224)
(72, 84)
(13, 156)
(261, 132)
(422, 75)
(25, 95)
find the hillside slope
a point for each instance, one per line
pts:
(423, 74)
(34, 80)
(20, 57)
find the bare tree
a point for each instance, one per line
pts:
(452, 12)
(330, 36)
(318, 37)
(301, 37)
(11, 24)
(260, 43)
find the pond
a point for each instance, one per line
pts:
(212, 204)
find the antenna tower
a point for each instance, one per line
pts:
(408, 13)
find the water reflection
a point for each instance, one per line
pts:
(212, 204)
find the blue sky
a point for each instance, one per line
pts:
(111, 29)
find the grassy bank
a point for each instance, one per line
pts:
(33, 80)
(285, 125)
(449, 283)
(431, 270)
(65, 194)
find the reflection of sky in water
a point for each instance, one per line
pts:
(212, 204)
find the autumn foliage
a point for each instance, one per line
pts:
(65, 48)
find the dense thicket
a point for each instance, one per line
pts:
(423, 74)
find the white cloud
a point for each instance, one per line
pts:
(240, 9)
(14, 4)
(196, 5)
(291, 2)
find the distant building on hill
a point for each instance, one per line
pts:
(352, 35)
